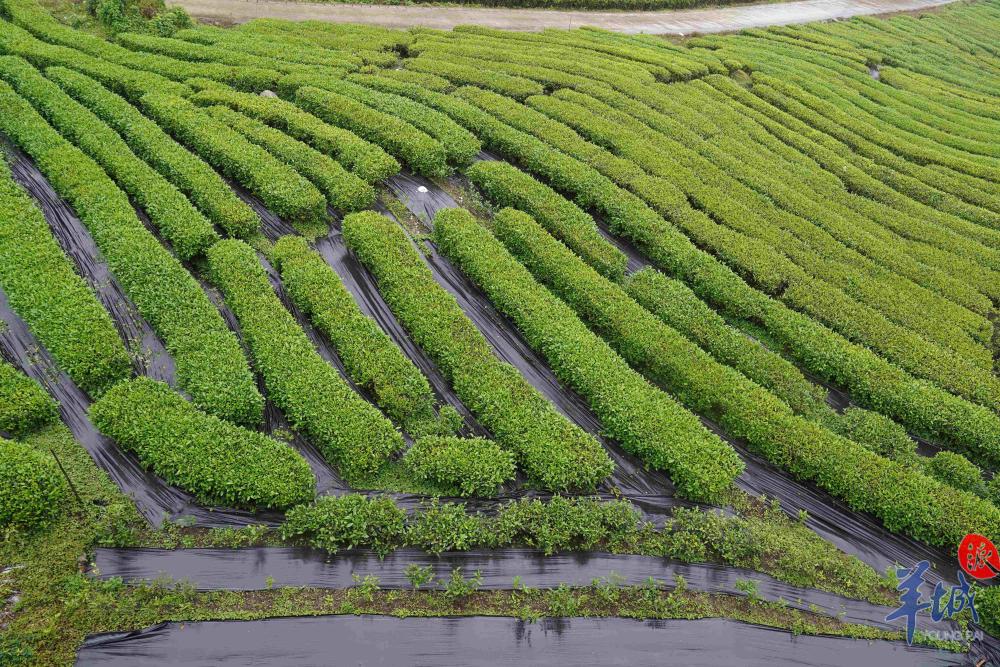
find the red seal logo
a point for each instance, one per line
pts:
(978, 557)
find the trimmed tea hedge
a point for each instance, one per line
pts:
(283, 190)
(676, 305)
(647, 422)
(187, 230)
(343, 190)
(45, 290)
(460, 466)
(370, 357)
(505, 84)
(215, 461)
(364, 159)
(209, 361)
(460, 145)
(186, 171)
(506, 185)
(419, 150)
(128, 82)
(30, 16)
(905, 500)
(350, 432)
(33, 488)
(553, 452)
(24, 405)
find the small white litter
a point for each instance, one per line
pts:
(421, 188)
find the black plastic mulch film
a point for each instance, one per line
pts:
(488, 641)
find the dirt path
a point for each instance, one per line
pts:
(663, 22)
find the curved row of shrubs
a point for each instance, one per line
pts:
(873, 382)
(905, 500)
(46, 292)
(920, 220)
(742, 207)
(506, 185)
(234, 40)
(424, 154)
(460, 145)
(350, 432)
(676, 305)
(794, 189)
(370, 357)
(647, 422)
(189, 173)
(210, 364)
(217, 462)
(24, 405)
(343, 190)
(554, 453)
(282, 189)
(130, 83)
(188, 232)
(771, 272)
(364, 159)
(460, 466)
(189, 51)
(33, 488)
(505, 84)
(28, 14)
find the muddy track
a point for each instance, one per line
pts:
(671, 22)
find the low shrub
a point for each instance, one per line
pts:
(460, 466)
(34, 270)
(348, 430)
(33, 488)
(343, 190)
(283, 190)
(424, 154)
(555, 454)
(348, 522)
(957, 471)
(24, 405)
(364, 159)
(370, 357)
(217, 462)
(876, 432)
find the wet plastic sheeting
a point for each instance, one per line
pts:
(489, 641)
(264, 567)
